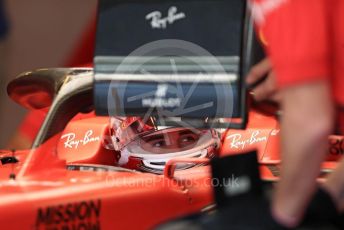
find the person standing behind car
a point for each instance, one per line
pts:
(306, 49)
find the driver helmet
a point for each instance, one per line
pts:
(143, 146)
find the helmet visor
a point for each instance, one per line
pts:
(169, 140)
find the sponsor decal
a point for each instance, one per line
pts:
(72, 142)
(72, 216)
(161, 102)
(160, 99)
(240, 142)
(275, 132)
(336, 146)
(161, 90)
(158, 22)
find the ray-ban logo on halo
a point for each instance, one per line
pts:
(157, 21)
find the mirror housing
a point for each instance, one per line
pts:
(58, 89)
(37, 89)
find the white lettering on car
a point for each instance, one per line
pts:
(72, 142)
(237, 141)
(275, 132)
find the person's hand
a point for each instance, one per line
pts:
(262, 80)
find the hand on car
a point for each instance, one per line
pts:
(262, 80)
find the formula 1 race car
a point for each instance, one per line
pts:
(97, 172)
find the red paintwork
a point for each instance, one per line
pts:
(93, 132)
(128, 200)
(45, 195)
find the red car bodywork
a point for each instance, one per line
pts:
(46, 195)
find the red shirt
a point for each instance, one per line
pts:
(305, 40)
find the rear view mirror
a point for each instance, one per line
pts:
(65, 91)
(37, 89)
